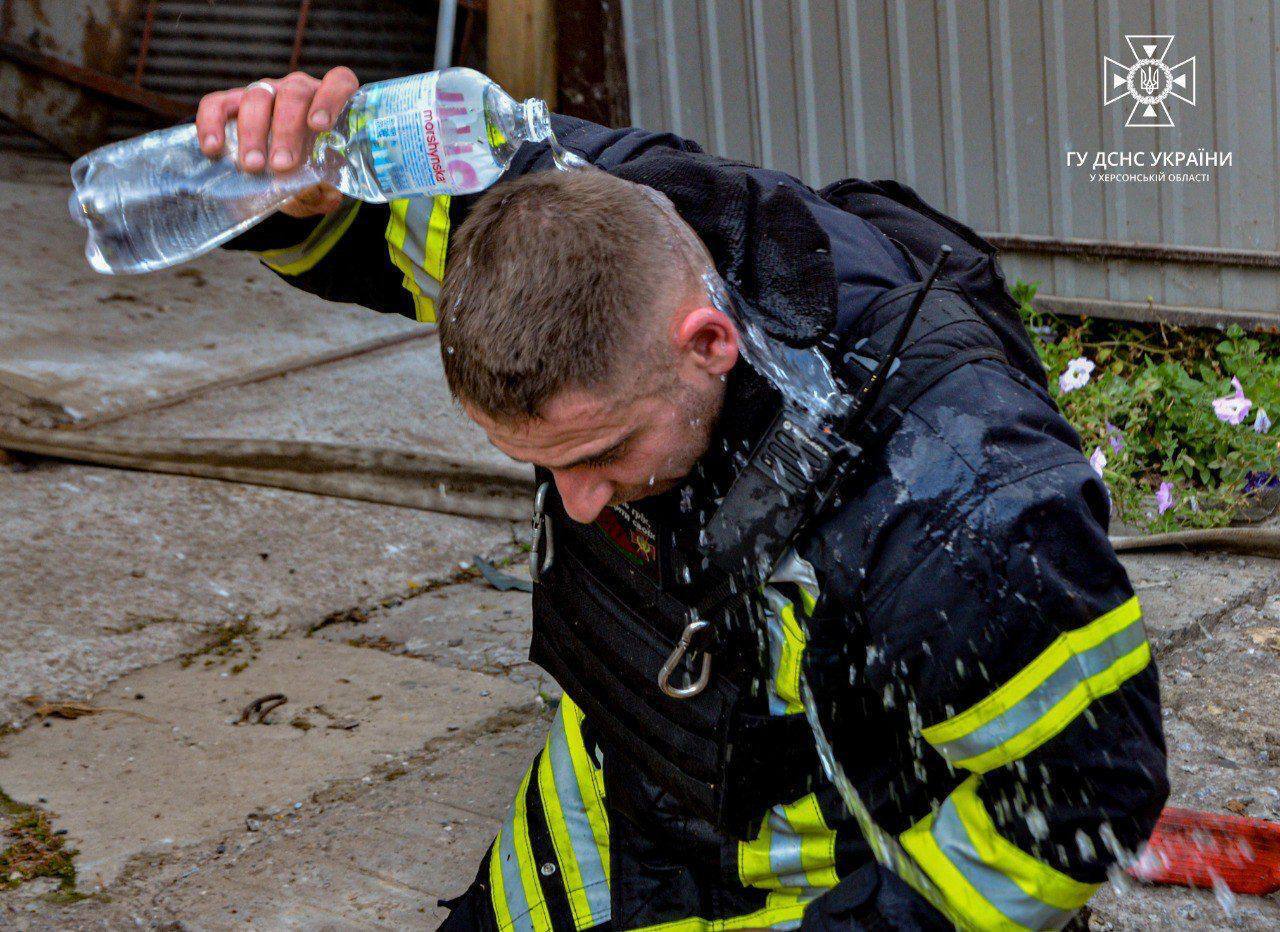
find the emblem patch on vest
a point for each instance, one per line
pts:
(633, 535)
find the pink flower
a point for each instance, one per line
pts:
(1076, 375)
(1164, 497)
(1233, 408)
(1098, 460)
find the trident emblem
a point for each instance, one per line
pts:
(1149, 81)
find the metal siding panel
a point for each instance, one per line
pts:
(833, 160)
(1016, 38)
(644, 81)
(1191, 212)
(775, 82)
(976, 102)
(740, 130)
(875, 98)
(1254, 172)
(680, 58)
(924, 144)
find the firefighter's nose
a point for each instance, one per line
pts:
(584, 497)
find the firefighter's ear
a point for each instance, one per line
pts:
(706, 340)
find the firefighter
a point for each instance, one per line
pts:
(922, 696)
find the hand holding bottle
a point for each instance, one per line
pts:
(285, 113)
(168, 196)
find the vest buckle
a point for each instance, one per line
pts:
(691, 631)
(541, 560)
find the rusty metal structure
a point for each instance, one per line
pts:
(78, 74)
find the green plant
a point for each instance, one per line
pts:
(1147, 406)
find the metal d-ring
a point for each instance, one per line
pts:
(691, 631)
(541, 532)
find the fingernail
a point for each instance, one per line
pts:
(280, 159)
(211, 141)
(320, 118)
(254, 159)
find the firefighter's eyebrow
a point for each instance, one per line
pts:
(593, 459)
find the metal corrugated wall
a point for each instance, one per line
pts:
(975, 103)
(198, 46)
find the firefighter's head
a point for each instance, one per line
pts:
(576, 330)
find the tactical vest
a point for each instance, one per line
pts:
(612, 600)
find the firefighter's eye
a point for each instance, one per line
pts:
(605, 457)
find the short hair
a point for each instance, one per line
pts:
(555, 281)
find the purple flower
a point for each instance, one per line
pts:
(1233, 408)
(1256, 481)
(1261, 423)
(1076, 375)
(1098, 460)
(1115, 437)
(1164, 497)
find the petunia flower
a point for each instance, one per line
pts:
(1115, 437)
(1164, 497)
(1098, 460)
(1261, 423)
(1256, 481)
(1233, 408)
(1076, 375)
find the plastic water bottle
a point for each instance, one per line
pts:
(157, 200)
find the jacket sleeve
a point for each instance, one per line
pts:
(1046, 704)
(1005, 641)
(388, 257)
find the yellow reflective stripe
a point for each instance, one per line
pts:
(1062, 714)
(965, 906)
(582, 869)
(434, 251)
(988, 881)
(1031, 676)
(421, 262)
(560, 840)
(1046, 695)
(497, 890)
(294, 260)
(784, 907)
(1035, 878)
(817, 841)
(589, 780)
(753, 857)
(788, 681)
(395, 236)
(539, 916)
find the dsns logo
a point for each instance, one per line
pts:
(1149, 81)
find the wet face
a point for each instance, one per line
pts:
(608, 447)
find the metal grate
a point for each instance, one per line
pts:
(196, 47)
(14, 138)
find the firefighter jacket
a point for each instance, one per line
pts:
(955, 627)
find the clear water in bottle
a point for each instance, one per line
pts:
(157, 200)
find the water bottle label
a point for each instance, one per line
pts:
(425, 139)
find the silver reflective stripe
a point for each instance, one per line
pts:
(595, 883)
(512, 886)
(777, 644)
(794, 568)
(1076, 669)
(417, 221)
(784, 851)
(996, 888)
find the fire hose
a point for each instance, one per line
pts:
(409, 479)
